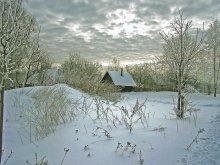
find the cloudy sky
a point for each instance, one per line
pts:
(104, 29)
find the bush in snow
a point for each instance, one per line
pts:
(135, 113)
(52, 107)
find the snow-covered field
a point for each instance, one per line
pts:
(90, 141)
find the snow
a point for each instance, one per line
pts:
(164, 141)
(124, 80)
(208, 151)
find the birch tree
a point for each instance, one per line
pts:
(15, 29)
(182, 48)
(213, 39)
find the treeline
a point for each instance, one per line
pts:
(83, 74)
(154, 76)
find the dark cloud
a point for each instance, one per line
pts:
(103, 29)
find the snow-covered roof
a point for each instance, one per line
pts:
(124, 80)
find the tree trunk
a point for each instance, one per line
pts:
(214, 70)
(2, 119)
(27, 76)
(2, 91)
(180, 102)
(180, 105)
(180, 112)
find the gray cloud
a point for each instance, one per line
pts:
(103, 29)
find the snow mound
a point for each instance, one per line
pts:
(94, 141)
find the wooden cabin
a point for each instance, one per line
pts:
(120, 79)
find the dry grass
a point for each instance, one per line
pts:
(133, 114)
(51, 107)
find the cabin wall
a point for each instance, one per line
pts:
(127, 89)
(107, 79)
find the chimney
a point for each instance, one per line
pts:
(121, 71)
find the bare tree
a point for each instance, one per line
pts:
(15, 29)
(40, 67)
(33, 58)
(28, 59)
(115, 64)
(182, 48)
(214, 45)
(141, 74)
(77, 70)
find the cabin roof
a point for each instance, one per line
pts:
(121, 80)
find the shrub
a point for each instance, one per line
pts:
(135, 113)
(52, 107)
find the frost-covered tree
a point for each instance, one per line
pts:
(43, 65)
(182, 48)
(28, 59)
(16, 26)
(213, 39)
(141, 74)
(79, 72)
(33, 58)
(114, 64)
